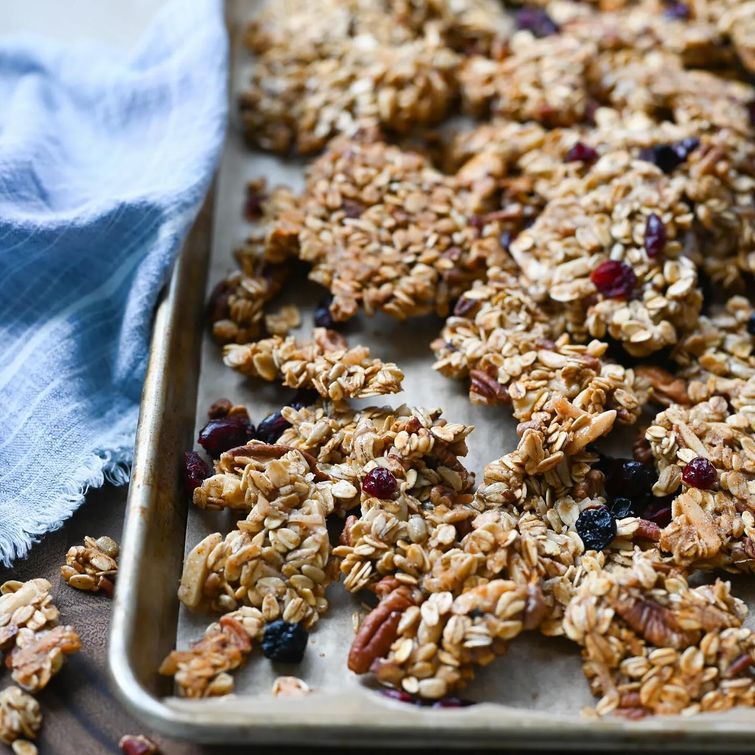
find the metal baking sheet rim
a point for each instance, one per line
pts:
(143, 622)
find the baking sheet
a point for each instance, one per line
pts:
(538, 674)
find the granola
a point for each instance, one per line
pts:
(92, 566)
(712, 527)
(38, 656)
(276, 558)
(20, 716)
(202, 670)
(326, 364)
(386, 231)
(652, 644)
(25, 605)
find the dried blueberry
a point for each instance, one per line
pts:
(303, 397)
(655, 235)
(582, 153)
(452, 702)
(677, 11)
(668, 157)
(614, 279)
(537, 21)
(224, 433)
(380, 483)
(284, 642)
(622, 507)
(323, 317)
(272, 427)
(751, 324)
(627, 478)
(505, 239)
(700, 473)
(596, 527)
(196, 470)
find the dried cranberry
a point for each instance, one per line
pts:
(537, 21)
(596, 527)
(700, 473)
(138, 744)
(284, 642)
(323, 318)
(380, 483)
(582, 153)
(622, 507)
(655, 235)
(196, 470)
(218, 305)
(677, 11)
(659, 512)
(352, 208)
(614, 279)
(400, 695)
(219, 408)
(253, 206)
(272, 427)
(222, 434)
(751, 324)
(303, 397)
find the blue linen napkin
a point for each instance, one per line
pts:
(104, 160)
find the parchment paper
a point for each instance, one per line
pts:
(537, 673)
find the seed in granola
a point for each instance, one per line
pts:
(284, 642)
(751, 324)
(380, 483)
(323, 317)
(581, 153)
(700, 473)
(596, 527)
(138, 744)
(537, 21)
(272, 427)
(655, 235)
(225, 433)
(196, 470)
(614, 279)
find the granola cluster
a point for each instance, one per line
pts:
(35, 647)
(590, 242)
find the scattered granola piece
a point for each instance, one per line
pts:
(326, 364)
(138, 744)
(290, 686)
(201, 671)
(25, 605)
(653, 645)
(92, 566)
(39, 655)
(20, 716)
(276, 558)
(280, 323)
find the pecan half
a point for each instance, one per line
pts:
(485, 389)
(378, 631)
(653, 622)
(667, 389)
